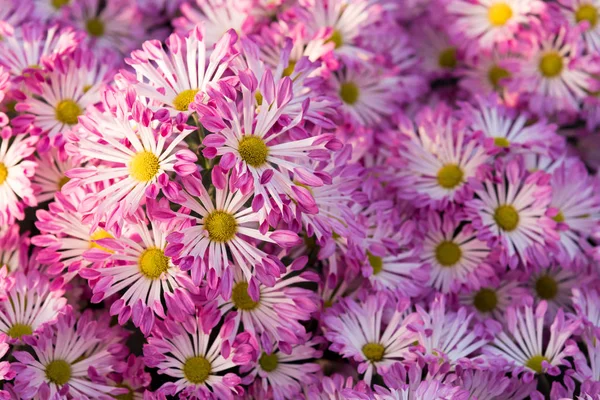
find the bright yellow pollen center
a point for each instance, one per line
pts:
(448, 253)
(349, 93)
(495, 74)
(100, 234)
(17, 331)
(551, 65)
(485, 300)
(253, 150)
(501, 142)
(221, 226)
(59, 3)
(58, 372)
(67, 112)
(184, 99)
(241, 299)
(375, 262)
(558, 218)
(337, 39)
(535, 363)
(546, 287)
(144, 166)
(268, 362)
(95, 27)
(499, 14)
(289, 70)
(196, 369)
(450, 176)
(3, 173)
(506, 217)
(373, 351)
(447, 58)
(587, 12)
(153, 263)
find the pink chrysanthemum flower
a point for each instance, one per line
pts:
(28, 47)
(447, 335)
(66, 235)
(197, 360)
(493, 300)
(70, 85)
(505, 129)
(587, 304)
(510, 210)
(441, 157)
(131, 374)
(585, 11)
(555, 75)
(275, 312)
(214, 228)
(454, 254)
(487, 22)
(260, 156)
(336, 387)
(16, 172)
(553, 285)
(173, 78)
(489, 72)
(357, 331)
(137, 264)
(29, 302)
(440, 56)
(576, 198)
(217, 17)
(51, 9)
(111, 25)
(285, 372)
(65, 356)
(521, 344)
(345, 21)
(53, 164)
(138, 159)
(14, 248)
(369, 95)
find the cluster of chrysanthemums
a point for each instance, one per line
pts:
(300, 199)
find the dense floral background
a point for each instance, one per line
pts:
(300, 199)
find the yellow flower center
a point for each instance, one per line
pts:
(373, 351)
(499, 14)
(196, 369)
(62, 182)
(336, 38)
(57, 4)
(289, 70)
(450, 176)
(507, 217)
(349, 93)
(184, 99)
(241, 299)
(375, 262)
(100, 234)
(95, 27)
(258, 97)
(253, 150)
(447, 58)
(535, 363)
(501, 142)
(485, 300)
(58, 372)
(447, 253)
(558, 218)
(3, 173)
(268, 362)
(153, 263)
(587, 12)
(546, 287)
(67, 112)
(144, 166)
(551, 65)
(17, 331)
(495, 74)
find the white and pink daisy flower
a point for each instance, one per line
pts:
(585, 12)
(173, 78)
